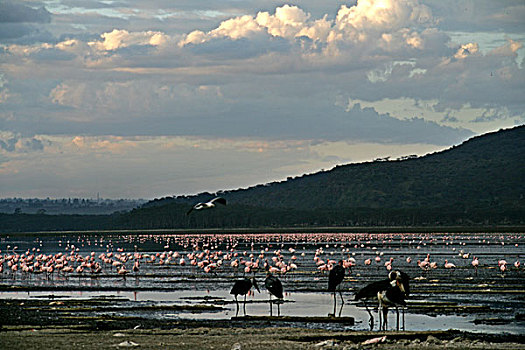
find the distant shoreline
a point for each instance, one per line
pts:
(310, 229)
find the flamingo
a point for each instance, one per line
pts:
(475, 263)
(449, 265)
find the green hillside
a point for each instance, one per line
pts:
(480, 182)
(485, 171)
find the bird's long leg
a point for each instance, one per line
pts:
(379, 312)
(397, 318)
(244, 308)
(341, 295)
(236, 302)
(403, 317)
(278, 309)
(271, 306)
(385, 318)
(335, 302)
(371, 320)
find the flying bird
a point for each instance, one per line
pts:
(207, 205)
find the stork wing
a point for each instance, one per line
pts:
(218, 200)
(196, 207)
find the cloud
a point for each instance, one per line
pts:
(466, 50)
(365, 22)
(14, 12)
(18, 22)
(15, 143)
(473, 16)
(122, 38)
(281, 67)
(115, 88)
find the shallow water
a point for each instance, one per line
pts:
(170, 282)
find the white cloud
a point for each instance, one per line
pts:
(366, 21)
(117, 39)
(466, 50)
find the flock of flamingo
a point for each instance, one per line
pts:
(243, 255)
(209, 256)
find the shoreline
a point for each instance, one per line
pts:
(297, 230)
(228, 336)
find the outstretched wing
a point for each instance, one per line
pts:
(195, 207)
(218, 200)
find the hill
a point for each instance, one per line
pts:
(480, 182)
(485, 171)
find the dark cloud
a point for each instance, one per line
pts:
(21, 24)
(52, 55)
(472, 16)
(288, 119)
(226, 48)
(13, 144)
(8, 145)
(13, 12)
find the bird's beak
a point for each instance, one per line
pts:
(401, 286)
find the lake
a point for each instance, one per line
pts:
(190, 270)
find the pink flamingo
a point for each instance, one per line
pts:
(449, 265)
(475, 263)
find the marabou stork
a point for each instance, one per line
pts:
(388, 292)
(275, 287)
(242, 287)
(336, 276)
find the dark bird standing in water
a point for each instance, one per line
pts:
(242, 287)
(393, 296)
(275, 287)
(393, 288)
(336, 276)
(207, 205)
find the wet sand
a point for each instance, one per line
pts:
(65, 324)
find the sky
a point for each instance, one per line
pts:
(154, 98)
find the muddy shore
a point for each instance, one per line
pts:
(32, 324)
